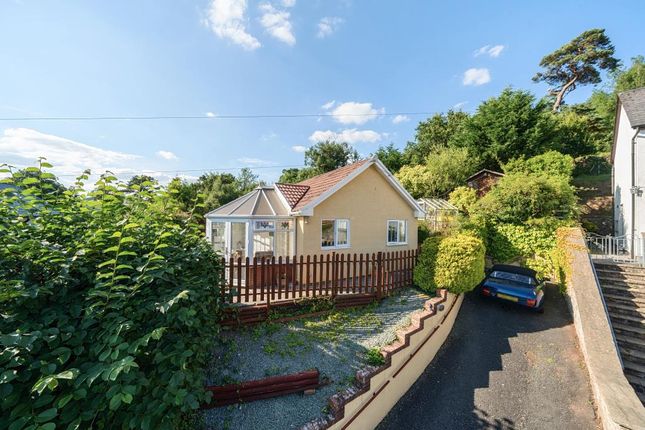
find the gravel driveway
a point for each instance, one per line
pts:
(336, 344)
(502, 367)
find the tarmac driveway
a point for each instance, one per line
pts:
(502, 367)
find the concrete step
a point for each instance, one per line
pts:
(634, 369)
(623, 289)
(634, 330)
(613, 278)
(631, 354)
(612, 296)
(623, 268)
(622, 309)
(630, 341)
(620, 318)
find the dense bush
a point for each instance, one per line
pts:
(460, 263)
(464, 199)
(455, 263)
(597, 164)
(519, 197)
(109, 305)
(551, 164)
(425, 268)
(423, 231)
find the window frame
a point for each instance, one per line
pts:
(335, 245)
(398, 231)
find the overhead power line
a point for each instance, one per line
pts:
(177, 171)
(206, 117)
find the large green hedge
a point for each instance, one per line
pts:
(455, 263)
(109, 306)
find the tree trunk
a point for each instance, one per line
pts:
(560, 94)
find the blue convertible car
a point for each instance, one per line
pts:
(514, 284)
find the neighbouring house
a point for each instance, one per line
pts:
(483, 181)
(358, 208)
(628, 170)
(440, 213)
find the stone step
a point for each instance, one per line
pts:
(638, 383)
(622, 268)
(638, 302)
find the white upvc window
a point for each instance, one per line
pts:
(397, 232)
(334, 233)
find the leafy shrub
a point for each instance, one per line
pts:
(519, 197)
(423, 231)
(109, 306)
(551, 163)
(425, 269)
(374, 357)
(464, 198)
(460, 263)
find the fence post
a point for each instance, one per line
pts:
(379, 275)
(334, 275)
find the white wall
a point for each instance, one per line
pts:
(622, 180)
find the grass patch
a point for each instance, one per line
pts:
(373, 357)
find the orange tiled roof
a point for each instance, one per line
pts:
(292, 192)
(321, 183)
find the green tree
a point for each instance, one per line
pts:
(391, 157)
(329, 155)
(444, 169)
(137, 182)
(508, 126)
(321, 158)
(464, 199)
(440, 130)
(578, 62)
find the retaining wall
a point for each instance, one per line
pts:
(618, 405)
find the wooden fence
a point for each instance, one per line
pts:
(263, 280)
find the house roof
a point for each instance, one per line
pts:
(321, 183)
(261, 202)
(482, 171)
(301, 198)
(633, 101)
(292, 193)
(436, 204)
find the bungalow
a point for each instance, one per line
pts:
(358, 208)
(483, 181)
(628, 173)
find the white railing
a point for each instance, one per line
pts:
(616, 248)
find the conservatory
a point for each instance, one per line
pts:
(257, 224)
(439, 213)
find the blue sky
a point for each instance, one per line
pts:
(209, 58)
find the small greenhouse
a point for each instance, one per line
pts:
(440, 214)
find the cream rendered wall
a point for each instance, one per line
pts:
(368, 201)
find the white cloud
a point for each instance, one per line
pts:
(458, 106)
(211, 114)
(226, 18)
(167, 155)
(298, 148)
(328, 26)
(492, 51)
(476, 77)
(254, 161)
(288, 3)
(355, 113)
(22, 146)
(350, 136)
(400, 118)
(277, 23)
(328, 105)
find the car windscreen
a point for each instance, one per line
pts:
(514, 277)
